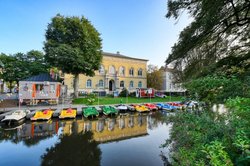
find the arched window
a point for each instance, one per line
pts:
(122, 84)
(131, 84)
(101, 84)
(140, 72)
(131, 72)
(139, 84)
(121, 71)
(111, 70)
(89, 83)
(101, 70)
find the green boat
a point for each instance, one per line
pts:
(90, 111)
(109, 110)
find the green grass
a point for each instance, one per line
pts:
(117, 100)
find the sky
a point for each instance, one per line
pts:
(135, 28)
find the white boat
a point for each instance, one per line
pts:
(122, 107)
(15, 116)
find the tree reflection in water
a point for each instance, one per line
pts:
(74, 149)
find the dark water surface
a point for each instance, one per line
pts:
(130, 139)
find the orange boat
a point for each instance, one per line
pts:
(42, 115)
(68, 113)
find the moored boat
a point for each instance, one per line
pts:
(90, 112)
(151, 107)
(141, 108)
(109, 110)
(68, 113)
(42, 115)
(15, 117)
(121, 107)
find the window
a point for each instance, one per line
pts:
(121, 71)
(140, 72)
(89, 83)
(131, 84)
(131, 72)
(111, 70)
(39, 87)
(139, 84)
(122, 84)
(101, 69)
(100, 83)
(52, 87)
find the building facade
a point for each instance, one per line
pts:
(115, 73)
(168, 81)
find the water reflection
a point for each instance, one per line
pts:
(109, 129)
(73, 149)
(90, 142)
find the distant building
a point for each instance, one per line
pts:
(115, 73)
(168, 81)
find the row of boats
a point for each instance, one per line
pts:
(94, 111)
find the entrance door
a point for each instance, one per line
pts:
(111, 85)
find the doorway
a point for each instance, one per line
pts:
(111, 85)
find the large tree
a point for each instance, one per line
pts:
(74, 46)
(154, 77)
(219, 29)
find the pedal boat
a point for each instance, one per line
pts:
(42, 115)
(109, 110)
(90, 112)
(67, 113)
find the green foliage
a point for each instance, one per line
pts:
(20, 66)
(216, 154)
(219, 29)
(154, 77)
(124, 93)
(214, 88)
(91, 98)
(74, 46)
(210, 138)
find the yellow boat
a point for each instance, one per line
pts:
(42, 115)
(141, 108)
(68, 113)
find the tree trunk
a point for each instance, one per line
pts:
(76, 85)
(10, 87)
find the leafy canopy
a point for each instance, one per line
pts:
(154, 77)
(219, 29)
(73, 45)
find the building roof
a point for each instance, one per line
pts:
(41, 78)
(121, 56)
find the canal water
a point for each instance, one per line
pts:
(129, 139)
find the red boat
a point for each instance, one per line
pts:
(151, 107)
(178, 105)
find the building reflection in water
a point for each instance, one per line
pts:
(103, 129)
(110, 129)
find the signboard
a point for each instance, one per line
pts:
(150, 91)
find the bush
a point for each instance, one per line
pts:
(210, 138)
(124, 93)
(215, 89)
(132, 94)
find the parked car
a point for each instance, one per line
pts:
(161, 95)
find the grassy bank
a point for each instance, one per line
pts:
(118, 100)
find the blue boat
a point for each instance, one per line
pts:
(166, 107)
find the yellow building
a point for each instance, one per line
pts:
(115, 73)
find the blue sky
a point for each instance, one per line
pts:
(136, 28)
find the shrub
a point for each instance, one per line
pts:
(124, 93)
